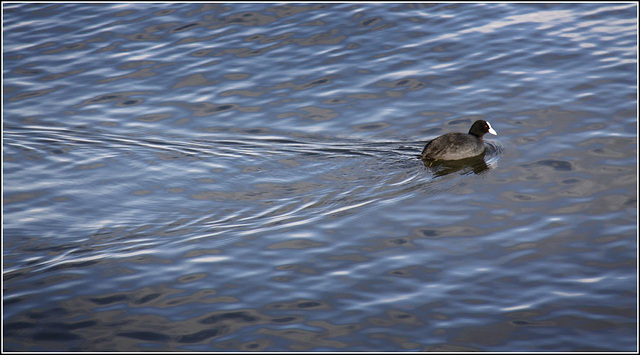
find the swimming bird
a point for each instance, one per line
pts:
(456, 145)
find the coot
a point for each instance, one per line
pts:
(455, 146)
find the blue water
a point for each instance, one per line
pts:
(245, 177)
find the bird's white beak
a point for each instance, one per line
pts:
(491, 130)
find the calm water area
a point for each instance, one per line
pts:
(246, 177)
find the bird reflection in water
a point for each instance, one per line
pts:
(475, 165)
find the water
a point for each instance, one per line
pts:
(244, 177)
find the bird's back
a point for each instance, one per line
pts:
(453, 146)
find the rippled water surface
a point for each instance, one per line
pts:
(231, 177)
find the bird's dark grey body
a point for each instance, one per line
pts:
(456, 146)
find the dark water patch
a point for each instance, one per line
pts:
(79, 325)
(302, 304)
(314, 83)
(203, 335)
(257, 345)
(309, 304)
(27, 71)
(50, 313)
(398, 241)
(371, 22)
(131, 102)
(206, 108)
(558, 165)
(237, 316)
(118, 98)
(249, 19)
(427, 233)
(153, 117)
(55, 336)
(109, 299)
(146, 336)
(289, 319)
(17, 327)
(31, 94)
(185, 27)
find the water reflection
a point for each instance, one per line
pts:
(474, 165)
